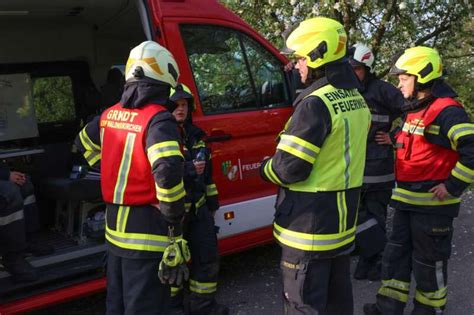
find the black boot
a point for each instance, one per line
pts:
(371, 309)
(362, 268)
(375, 269)
(19, 268)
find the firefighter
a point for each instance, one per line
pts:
(319, 165)
(138, 141)
(385, 102)
(19, 221)
(434, 164)
(201, 205)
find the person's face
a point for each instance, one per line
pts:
(406, 84)
(181, 111)
(302, 66)
(360, 72)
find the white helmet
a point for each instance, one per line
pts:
(361, 55)
(153, 61)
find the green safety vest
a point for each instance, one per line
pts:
(339, 163)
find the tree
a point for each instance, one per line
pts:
(387, 26)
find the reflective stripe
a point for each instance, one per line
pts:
(268, 170)
(172, 194)
(201, 202)
(122, 177)
(432, 299)
(347, 153)
(463, 173)
(202, 287)
(211, 190)
(433, 129)
(313, 242)
(92, 157)
(394, 294)
(440, 275)
(396, 284)
(421, 199)
(200, 144)
(380, 118)
(175, 290)
(138, 241)
(342, 209)
(12, 217)
(379, 179)
(413, 129)
(299, 148)
(163, 149)
(87, 142)
(29, 200)
(398, 145)
(366, 225)
(458, 131)
(122, 217)
(187, 206)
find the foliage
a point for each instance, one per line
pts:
(387, 26)
(53, 99)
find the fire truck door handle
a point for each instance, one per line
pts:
(218, 135)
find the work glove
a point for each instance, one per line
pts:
(173, 269)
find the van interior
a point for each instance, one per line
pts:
(64, 58)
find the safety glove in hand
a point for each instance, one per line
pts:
(173, 269)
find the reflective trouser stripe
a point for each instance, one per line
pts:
(439, 297)
(422, 199)
(313, 242)
(395, 289)
(379, 179)
(366, 225)
(298, 147)
(138, 241)
(380, 118)
(202, 287)
(170, 195)
(463, 173)
(29, 200)
(12, 217)
(211, 190)
(175, 290)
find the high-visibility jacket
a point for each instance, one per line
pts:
(436, 145)
(319, 163)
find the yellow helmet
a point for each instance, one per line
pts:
(151, 60)
(320, 40)
(422, 62)
(182, 92)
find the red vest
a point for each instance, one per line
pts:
(418, 159)
(126, 176)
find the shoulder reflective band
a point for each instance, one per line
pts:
(163, 149)
(202, 287)
(379, 179)
(421, 199)
(299, 148)
(395, 289)
(458, 131)
(172, 194)
(413, 129)
(124, 168)
(12, 217)
(433, 299)
(138, 241)
(463, 173)
(268, 170)
(313, 242)
(211, 190)
(432, 129)
(380, 118)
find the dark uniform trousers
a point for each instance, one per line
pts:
(18, 215)
(202, 240)
(370, 234)
(420, 243)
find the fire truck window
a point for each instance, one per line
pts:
(53, 99)
(267, 75)
(220, 69)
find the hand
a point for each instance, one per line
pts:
(18, 178)
(383, 138)
(289, 66)
(439, 191)
(199, 166)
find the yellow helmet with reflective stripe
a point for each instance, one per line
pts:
(181, 91)
(320, 40)
(151, 60)
(422, 62)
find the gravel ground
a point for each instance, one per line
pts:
(250, 282)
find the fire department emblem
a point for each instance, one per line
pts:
(229, 170)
